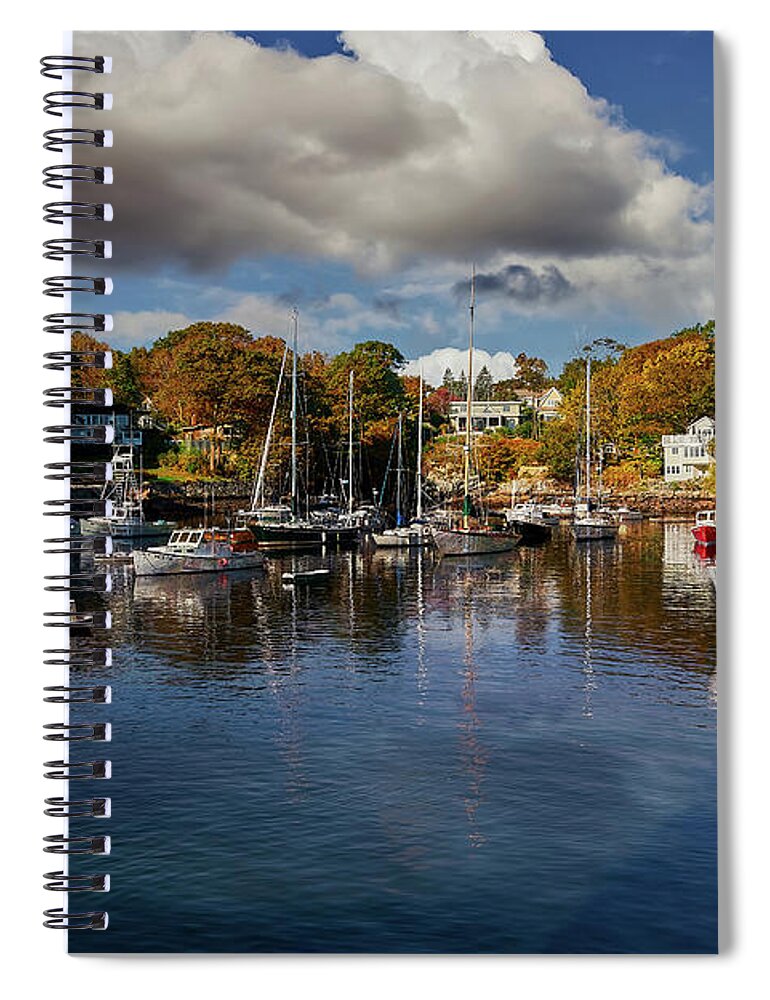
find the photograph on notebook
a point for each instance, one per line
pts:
(412, 495)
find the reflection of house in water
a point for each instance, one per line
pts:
(680, 555)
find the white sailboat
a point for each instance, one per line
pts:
(593, 525)
(472, 536)
(416, 533)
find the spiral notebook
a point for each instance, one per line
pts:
(384, 584)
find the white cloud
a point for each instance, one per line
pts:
(427, 146)
(501, 365)
(134, 329)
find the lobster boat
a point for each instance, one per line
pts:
(704, 531)
(200, 550)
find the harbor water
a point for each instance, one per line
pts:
(510, 753)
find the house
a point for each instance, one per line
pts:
(122, 418)
(487, 414)
(548, 404)
(688, 456)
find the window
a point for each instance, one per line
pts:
(674, 451)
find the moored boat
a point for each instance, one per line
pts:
(275, 529)
(589, 524)
(474, 535)
(593, 528)
(473, 541)
(704, 531)
(407, 537)
(623, 515)
(529, 521)
(280, 528)
(123, 496)
(200, 550)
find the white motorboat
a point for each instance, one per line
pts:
(200, 550)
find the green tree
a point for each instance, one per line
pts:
(531, 373)
(484, 384)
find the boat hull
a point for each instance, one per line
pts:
(705, 534)
(152, 563)
(473, 543)
(593, 531)
(401, 539)
(532, 532)
(302, 537)
(127, 529)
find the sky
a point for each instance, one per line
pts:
(361, 175)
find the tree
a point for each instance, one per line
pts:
(122, 378)
(484, 384)
(379, 392)
(210, 374)
(531, 374)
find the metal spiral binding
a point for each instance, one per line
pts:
(85, 480)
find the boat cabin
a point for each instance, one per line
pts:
(192, 539)
(280, 514)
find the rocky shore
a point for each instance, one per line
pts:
(196, 501)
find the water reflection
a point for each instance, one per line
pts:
(484, 754)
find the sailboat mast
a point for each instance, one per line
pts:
(588, 429)
(294, 499)
(419, 452)
(350, 443)
(258, 498)
(399, 472)
(469, 406)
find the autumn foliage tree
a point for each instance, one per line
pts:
(212, 374)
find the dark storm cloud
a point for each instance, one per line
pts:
(522, 284)
(388, 305)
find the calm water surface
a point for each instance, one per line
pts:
(509, 754)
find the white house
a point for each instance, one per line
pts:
(548, 404)
(487, 414)
(688, 456)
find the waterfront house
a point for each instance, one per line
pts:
(125, 421)
(487, 414)
(688, 456)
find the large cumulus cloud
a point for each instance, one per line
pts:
(419, 146)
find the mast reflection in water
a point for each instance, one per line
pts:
(514, 753)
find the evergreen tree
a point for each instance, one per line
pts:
(484, 384)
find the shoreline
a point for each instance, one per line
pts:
(194, 498)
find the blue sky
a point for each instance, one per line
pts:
(360, 176)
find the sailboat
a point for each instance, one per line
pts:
(416, 533)
(593, 525)
(279, 528)
(471, 537)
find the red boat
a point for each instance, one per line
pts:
(704, 530)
